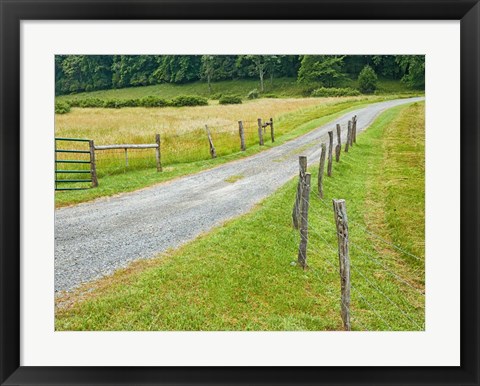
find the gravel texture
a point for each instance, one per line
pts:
(94, 239)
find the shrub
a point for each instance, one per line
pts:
(254, 94)
(273, 96)
(189, 100)
(147, 101)
(334, 92)
(112, 103)
(230, 100)
(308, 90)
(367, 80)
(87, 102)
(62, 107)
(129, 102)
(217, 95)
(151, 101)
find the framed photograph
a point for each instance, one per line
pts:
(200, 192)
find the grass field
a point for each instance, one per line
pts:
(282, 87)
(240, 277)
(184, 142)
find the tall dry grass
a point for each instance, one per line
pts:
(182, 129)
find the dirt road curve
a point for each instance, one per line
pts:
(94, 239)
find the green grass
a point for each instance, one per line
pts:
(240, 277)
(387, 86)
(234, 178)
(193, 156)
(281, 87)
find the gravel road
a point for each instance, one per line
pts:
(94, 239)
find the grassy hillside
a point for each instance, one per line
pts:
(283, 87)
(240, 276)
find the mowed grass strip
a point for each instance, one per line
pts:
(240, 276)
(187, 153)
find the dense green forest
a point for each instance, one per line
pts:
(79, 73)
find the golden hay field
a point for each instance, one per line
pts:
(182, 129)
(139, 125)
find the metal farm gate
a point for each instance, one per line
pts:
(74, 164)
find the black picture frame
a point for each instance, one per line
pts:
(12, 12)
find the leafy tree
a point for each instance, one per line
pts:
(273, 63)
(386, 66)
(289, 65)
(256, 64)
(413, 67)
(353, 64)
(208, 69)
(133, 70)
(321, 68)
(74, 69)
(225, 67)
(77, 73)
(178, 68)
(367, 80)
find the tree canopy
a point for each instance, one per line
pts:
(78, 73)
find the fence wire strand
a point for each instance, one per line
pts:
(320, 217)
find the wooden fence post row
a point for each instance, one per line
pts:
(272, 132)
(262, 128)
(341, 221)
(213, 153)
(330, 150)
(349, 136)
(93, 165)
(158, 153)
(321, 170)
(302, 248)
(354, 128)
(241, 131)
(302, 160)
(260, 131)
(338, 149)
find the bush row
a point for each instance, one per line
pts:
(334, 92)
(148, 101)
(230, 100)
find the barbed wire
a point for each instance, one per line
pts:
(383, 294)
(357, 270)
(397, 247)
(353, 318)
(378, 262)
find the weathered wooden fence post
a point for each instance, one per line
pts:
(341, 220)
(93, 165)
(338, 149)
(302, 160)
(213, 153)
(349, 135)
(272, 132)
(354, 128)
(260, 131)
(302, 248)
(330, 151)
(126, 157)
(241, 131)
(158, 154)
(321, 170)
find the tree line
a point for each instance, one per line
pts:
(78, 73)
